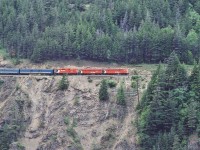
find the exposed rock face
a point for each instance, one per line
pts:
(66, 120)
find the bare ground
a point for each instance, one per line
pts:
(98, 125)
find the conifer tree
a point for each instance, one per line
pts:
(192, 116)
(64, 83)
(194, 82)
(176, 143)
(103, 91)
(121, 96)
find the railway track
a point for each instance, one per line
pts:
(37, 75)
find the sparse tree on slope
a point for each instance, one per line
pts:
(64, 83)
(103, 91)
(121, 96)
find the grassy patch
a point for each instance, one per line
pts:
(153, 67)
(4, 54)
(149, 67)
(15, 61)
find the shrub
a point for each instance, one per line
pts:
(89, 80)
(66, 120)
(136, 77)
(71, 132)
(133, 84)
(111, 83)
(18, 87)
(1, 82)
(20, 146)
(76, 101)
(74, 122)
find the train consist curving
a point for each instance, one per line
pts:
(63, 71)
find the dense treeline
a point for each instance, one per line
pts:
(169, 111)
(132, 31)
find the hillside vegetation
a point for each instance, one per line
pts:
(168, 114)
(131, 31)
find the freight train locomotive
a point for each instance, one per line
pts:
(63, 71)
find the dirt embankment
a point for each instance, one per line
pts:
(71, 119)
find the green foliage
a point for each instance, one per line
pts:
(74, 123)
(134, 84)
(1, 82)
(167, 113)
(134, 32)
(192, 115)
(111, 83)
(17, 87)
(190, 58)
(4, 54)
(16, 61)
(103, 91)
(14, 126)
(20, 146)
(76, 101)
(63, 84)
(135, 77)
(143, 86)
(67, 120)
(176, 143)
(121, 96)
(53, 137)
(72, 133)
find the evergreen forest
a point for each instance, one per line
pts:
(169, 111)
(129, 31)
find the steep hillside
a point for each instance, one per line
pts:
(39, 116)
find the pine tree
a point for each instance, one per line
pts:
(103, 91)
(176, 143)
(121, 96)
(194, 82)
(192, 116)
(64, 83)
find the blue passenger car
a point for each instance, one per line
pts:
(7, 71)
(36, 71)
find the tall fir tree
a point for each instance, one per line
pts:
(121, 96)
(103, 91)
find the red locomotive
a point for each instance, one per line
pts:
(70, 71)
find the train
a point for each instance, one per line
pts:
(65, 71)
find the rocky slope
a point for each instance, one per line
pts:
(74, 119)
